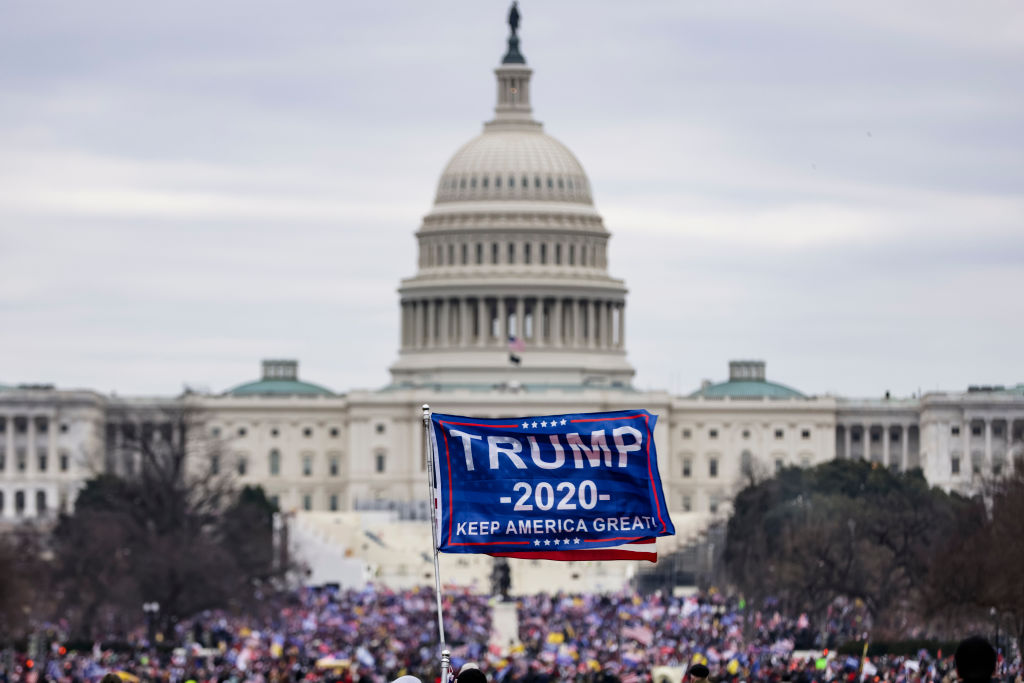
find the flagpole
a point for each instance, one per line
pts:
(429, 445)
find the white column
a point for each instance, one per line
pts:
(905, 455)
(520, 314)
(463, 322)
(482, 321)
(502, 322)
(577, 333)
(885, 445)
(988, 445)
(428, 322)
(622, 325)
(445, 321)
(421, 323)
(592, 325)
(556, 323)
(965, 435)
(609, 336)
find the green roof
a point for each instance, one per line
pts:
(747, 389)
(279, 387)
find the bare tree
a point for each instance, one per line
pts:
(164, 525)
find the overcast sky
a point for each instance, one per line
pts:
(836, 188)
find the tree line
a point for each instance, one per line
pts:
(168, 528)
(919, 559)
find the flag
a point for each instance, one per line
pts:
(516, 344)
(556, 487)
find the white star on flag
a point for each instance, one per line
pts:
(543, 424)
(556, 541)
(536, 542)
(534, 424)
(575, 540)
(525, 425)
(547, 542)
(563, 422)
(565, 541)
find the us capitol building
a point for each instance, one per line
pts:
(512, 249)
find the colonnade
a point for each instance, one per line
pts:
(895, 445)
(986, 442)
(490, 321)
(26, 451)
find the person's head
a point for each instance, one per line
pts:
(699, 672)
(111, 678)
(471, 676)
(975, 660)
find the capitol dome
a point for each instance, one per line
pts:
(512, 286)
(514, 163)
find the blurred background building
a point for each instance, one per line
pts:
(512, 311)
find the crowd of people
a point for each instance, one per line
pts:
(379, 635)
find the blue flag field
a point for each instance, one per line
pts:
(551, 487)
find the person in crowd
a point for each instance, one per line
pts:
(699, 673)
(975, 660)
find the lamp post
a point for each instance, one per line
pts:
(151, 609)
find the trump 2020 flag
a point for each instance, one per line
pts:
(559, 487)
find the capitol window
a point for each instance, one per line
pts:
(686, 433)
(307, 502)
(543, 254)
(484, 182)
(451, 254)
(332, 467)
(472, 183)
(479, 253)
(746, 433)
(307, 465)
(713, 434)
(511, 183)
(551, 183)
(954, 465)
(687, 467)
(334, 432)
(379, 462)
(275, 462)
(713, 467)
(465, 254)
(243, 465)
(526, 253)
(511, 252)
(561, 184)
(779, 433)
(955, 430)
(494, 252)
(64, 461)
(536, 182)
(241, 431)
(333, 505)
(497, 181)
(462, 183)
(526, 181)
(308, 431)
(558, 254)
(805, 434)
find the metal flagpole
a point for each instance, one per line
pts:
(429, 445)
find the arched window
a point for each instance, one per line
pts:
(536, 182)
(275, 462)
(558, 254)
(497, 182)
(543, 254)
(551, 183)
(526, 253)
(494, 252)
(572, 254)
(485, 182)
(511, 252)
(19, 502)
(465, 254)
(526, 181)
(40, 502)
(479, 253)
(472, 182)
(451, 254)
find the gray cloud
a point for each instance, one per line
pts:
(187, 188)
